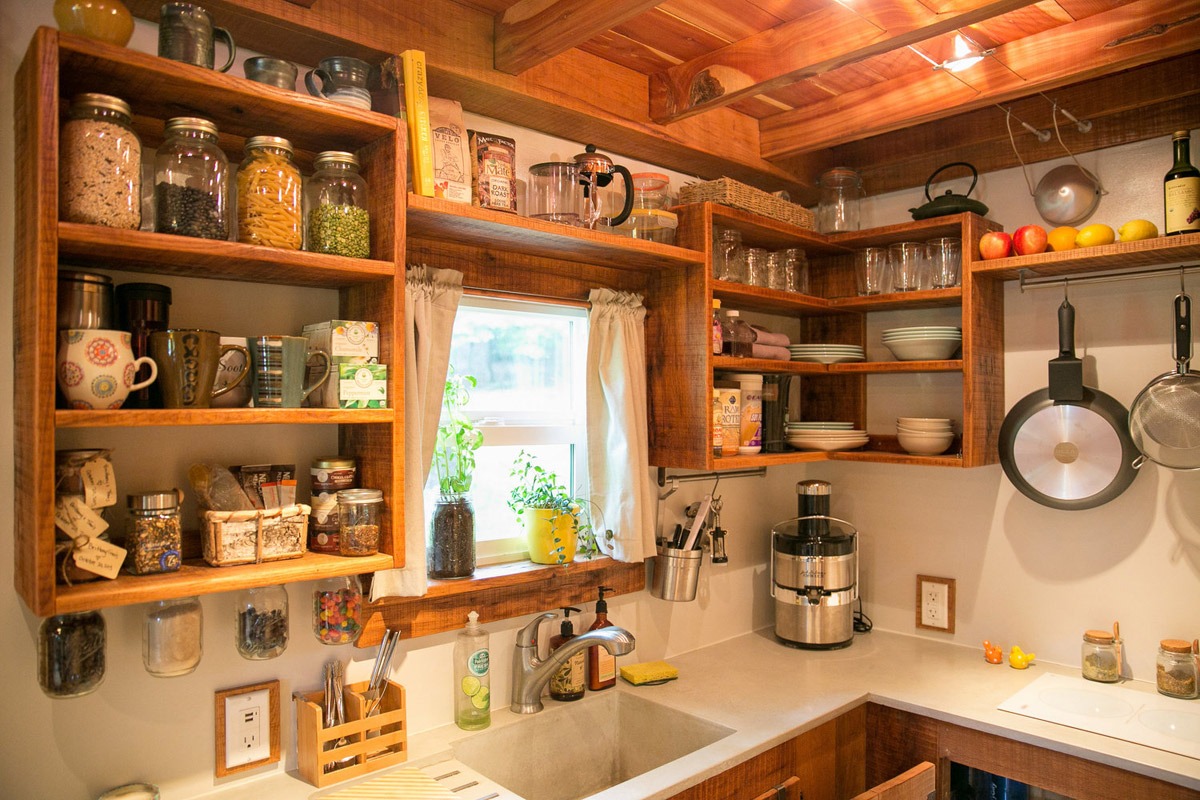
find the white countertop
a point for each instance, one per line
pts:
(769, 693)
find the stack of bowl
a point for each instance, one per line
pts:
(928, 343)
(924, 436)
(825, 436)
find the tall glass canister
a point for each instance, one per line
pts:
(100, 163)
(841, 190)
(191, 181)
(335, 201)
(269, 194)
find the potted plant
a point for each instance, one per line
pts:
(451, 544)
(557, 523)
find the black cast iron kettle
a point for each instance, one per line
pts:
(950, 203)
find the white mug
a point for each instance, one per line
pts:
(232, 364)
(96, 367)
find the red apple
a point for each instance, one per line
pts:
(1029, 239)
(995, 244)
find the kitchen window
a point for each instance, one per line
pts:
(528, 359)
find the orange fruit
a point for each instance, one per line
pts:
(1062, 238)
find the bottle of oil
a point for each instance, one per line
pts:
(1181, 190)
(567, 682)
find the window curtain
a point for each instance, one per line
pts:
(617, 424)
(431, 299)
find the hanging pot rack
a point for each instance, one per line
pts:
(1027, 282)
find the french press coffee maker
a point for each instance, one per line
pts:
(595, 173)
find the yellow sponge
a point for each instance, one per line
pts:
(649, 673)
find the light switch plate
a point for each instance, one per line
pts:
(935, 603)
(247, 727)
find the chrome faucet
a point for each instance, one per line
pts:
(531, 674)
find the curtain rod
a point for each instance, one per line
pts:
(1107, 277)
(500, 294)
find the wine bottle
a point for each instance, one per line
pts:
(1181, 190)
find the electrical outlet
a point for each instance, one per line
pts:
(935, 603)
(247, 727)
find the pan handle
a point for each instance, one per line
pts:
(1066, 329)
(1183, 332)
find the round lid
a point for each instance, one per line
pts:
(591, 161)
(360, 496)
(732, 313)
(813, 487)
(840, 176)
(663, 218)
(155, 292)
(1175, 646)
(95, 100)
(333, 462)
(1098, 637)
(806, 536)
(328, 157)
(155, 501)
(83, 277)
(268, 141)
(1181, 135)
(198, 124)
(649, 181)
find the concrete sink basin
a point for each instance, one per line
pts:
(572, 750)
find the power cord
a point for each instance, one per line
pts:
(862, 623)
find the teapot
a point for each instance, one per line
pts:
(595, 173)
(950, 203)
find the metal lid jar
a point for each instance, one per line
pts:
(71, 653)
(359, 512)
(337, 610)
(335, 201)
(172, 637)
(154, 536)
(1099, 659)
(1176, 670)
(100, 163)
(269, 194)
(191, 181)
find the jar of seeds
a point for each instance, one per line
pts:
(261, 628)
(1176, 669)
(335, 202)
(154, 536)
(100, 163)
(358, 518)
(172, 637)
(1099, 660)
(71, 654)
(269, 194)
(191, 181)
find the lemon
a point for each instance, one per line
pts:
(1062, 238)
(1095, 234)
(471, 686)
(482, 698)
(1138, 229)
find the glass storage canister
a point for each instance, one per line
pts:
(1176, 669)
(172, 637)
(359, 512)
(100, 163)
(70, 653)
(329, 475)
(337, 610)
(261, 627)
(335, 203)
(1099, 660)
(269, 194)
(191, 181)
(69, 481)
(841, 190)
(729, 257)
(154, 536)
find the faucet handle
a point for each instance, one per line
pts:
(528, 636)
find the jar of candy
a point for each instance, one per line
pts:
(337, 610)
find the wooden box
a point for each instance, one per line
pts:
(252, 537)
(373, 743)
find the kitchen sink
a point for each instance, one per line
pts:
(573, 750)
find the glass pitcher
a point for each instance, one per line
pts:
(554, 193)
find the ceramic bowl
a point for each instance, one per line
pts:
(925, 444)
(923, 349)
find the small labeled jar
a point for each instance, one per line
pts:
(191, 181)
(329, 475)
(100, 164)
(337, 610)
(359, 512)
(1099, 659)
(261, 627)
(1176, 669)
(70, 653)
(172, 637)
(335, 203)
(154, 535)
(269, 194)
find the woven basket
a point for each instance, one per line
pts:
(729, 192)
(251, 537)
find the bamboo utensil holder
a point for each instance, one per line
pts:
(378, 741)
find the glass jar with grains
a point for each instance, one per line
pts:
(1176, 669)
(358, 520)
(172, 637)
(100, 163)
(191, 181)
(335, 202)
(154, 536)
(269, 194)
(1099, 658)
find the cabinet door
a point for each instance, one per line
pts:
(915, 784)
(782, 791)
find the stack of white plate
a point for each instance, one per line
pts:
(827, 353)
(924, 436)
(928, 343)
(825, 436)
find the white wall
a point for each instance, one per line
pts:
(1025, 573)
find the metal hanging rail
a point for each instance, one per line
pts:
(1106, 277)
(675, 480)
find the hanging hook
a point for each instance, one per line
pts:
(1182, 286)
(1082, 125)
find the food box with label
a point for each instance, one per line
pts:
(347, 342)
(362, 385)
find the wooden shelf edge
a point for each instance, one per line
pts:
(1119, 255)
(769, 459)
(882, 457)
(764, 230)
(732, 364)
(927, 298)
(163, 417)
(920, 230)
(769, 299)
(897, 367)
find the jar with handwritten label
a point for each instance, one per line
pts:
(84, 494)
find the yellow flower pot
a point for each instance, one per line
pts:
(550, 536)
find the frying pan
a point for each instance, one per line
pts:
(1164, 420)
(1068, 446)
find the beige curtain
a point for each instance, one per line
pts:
(617, 425)
(431, 299)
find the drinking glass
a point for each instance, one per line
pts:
(756, 266)
(729, 257)
(871, 270)
(945, 261)
(906, 260)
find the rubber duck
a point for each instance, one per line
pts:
(1017, 659)
(992, 653)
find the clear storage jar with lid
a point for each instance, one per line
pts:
(650, 189)
(172, 637)
(154, 535)
(841, 190)
(191, 181)
(359, 512)
(729, 257)
(269, 194)
(337, 610)
(70, 481)
(100, 163)
(71, 653)
(1176, 669)
(261, 626)
(335, 203)
(1099, 657)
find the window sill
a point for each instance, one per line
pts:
(500, 591)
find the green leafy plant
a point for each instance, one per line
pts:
(457, 437)
(538, 488)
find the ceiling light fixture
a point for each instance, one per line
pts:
(966, 54)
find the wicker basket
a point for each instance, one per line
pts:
(729, 192)
(251, 537)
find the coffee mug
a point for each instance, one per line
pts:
(280, 368)
(96, 367)
(186, 33)
(187, 361)
(231, 371)
(343, 80)
(271, 71)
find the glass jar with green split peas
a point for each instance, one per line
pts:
(337, 220)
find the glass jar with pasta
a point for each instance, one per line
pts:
(269, 194)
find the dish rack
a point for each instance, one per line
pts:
(373, 743)
(728, 192)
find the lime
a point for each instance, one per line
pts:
(1096, 234)
(482, 698)
(1138, 229)
(471, 686)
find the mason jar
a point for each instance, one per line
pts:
(172, 637)
(261, 626)
(1176, 669)
(335, 202)
(269, 194)
(70, 653)
(191, 181)
(337, 610)
(1099, 659)
(100, 163)
(841, 190)
(359, 512)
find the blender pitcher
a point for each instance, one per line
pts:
(595, 172)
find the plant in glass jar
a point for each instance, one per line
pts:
(558, 524)
(451, 544)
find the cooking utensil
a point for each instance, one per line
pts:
(950, 203)
(379, 672)
(1068, 446)
(1067, 195)
(1164, 420)
(335, 711)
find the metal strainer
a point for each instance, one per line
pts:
(1164, 420)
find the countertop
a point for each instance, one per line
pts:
(769, 694)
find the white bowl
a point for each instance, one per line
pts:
(927, 433)
(918, 422)
(925, 445)
(939, 329)
(918, 337)
(923, 350)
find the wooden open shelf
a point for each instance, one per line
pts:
(161, 417)
(888, 367)
(1119, 255)
(929, 298)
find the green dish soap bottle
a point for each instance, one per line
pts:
(472, 677)
(567, 681)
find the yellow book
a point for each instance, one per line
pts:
(420, 134)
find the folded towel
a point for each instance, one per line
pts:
(764, 336)
(770, 351)
(649, 673)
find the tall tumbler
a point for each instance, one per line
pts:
(871, 271)
(907, 260)
(186, 33)
(945, 262)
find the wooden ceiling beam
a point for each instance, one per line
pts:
(534, 31)
(817, 42)
(1128, 36)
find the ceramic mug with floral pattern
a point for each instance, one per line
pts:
(96, 368)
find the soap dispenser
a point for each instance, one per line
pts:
(568, 680)
(472, 692)
(601, 664)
